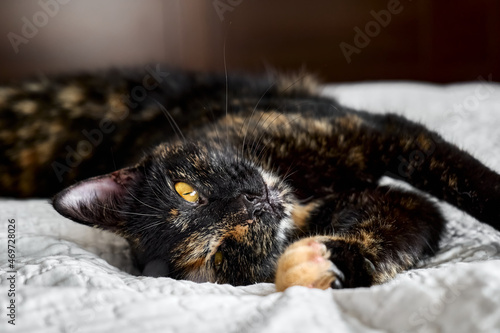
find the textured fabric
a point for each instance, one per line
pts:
(71, 278)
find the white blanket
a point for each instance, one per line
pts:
(71, 278)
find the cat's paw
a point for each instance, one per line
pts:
(306, 263)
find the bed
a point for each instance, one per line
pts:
(72, 278)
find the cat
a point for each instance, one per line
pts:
(237, 179)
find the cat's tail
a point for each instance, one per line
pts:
(425, 160)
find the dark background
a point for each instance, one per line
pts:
(437, 41)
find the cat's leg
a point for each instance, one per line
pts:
(368, 237)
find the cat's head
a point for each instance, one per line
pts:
(190, 211)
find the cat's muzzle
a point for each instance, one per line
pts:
(256, 205)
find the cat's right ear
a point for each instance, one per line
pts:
(98, 201)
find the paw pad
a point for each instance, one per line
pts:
(306, 263)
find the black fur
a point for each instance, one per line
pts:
(272, 163)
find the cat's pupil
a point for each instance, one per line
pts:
(186, 191)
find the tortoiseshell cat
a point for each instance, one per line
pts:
(219, 197)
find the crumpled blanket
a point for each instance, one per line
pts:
(72, 278)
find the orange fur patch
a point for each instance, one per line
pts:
(305, 263)
(300, 215)
(425, 143)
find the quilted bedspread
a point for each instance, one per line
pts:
(75, 279)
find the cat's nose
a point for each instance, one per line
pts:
(256, 204)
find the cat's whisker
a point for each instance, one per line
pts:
(257, 141)
(160, 189)
(124, 212)
(431, 248)
(336, 108)
(225, 75)
(213, 124)
(287, 171)
(154, 192)
(301, 201)
(171, 120)
(251, 115)
(267, 109)
(286, 177)
(143, 203)
(113, 158)
(295, 82)
(260, 156)
(150, 226)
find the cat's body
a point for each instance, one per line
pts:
(249, 166)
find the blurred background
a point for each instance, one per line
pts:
(437, 41)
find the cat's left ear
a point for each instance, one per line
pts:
(98, 201)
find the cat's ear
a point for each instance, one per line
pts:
(98, 201)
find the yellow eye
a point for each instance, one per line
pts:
(187, 192)
(218, 257)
